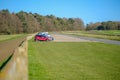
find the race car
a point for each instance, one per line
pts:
(43, 36)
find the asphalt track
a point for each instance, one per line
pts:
(71, 38)
(99, 40)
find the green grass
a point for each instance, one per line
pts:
(73, 61)
(106, 34)
(9, 37)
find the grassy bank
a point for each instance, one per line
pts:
(73, 61)
(105, 34)
(10, 37)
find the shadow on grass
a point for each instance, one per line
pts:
(5, 62)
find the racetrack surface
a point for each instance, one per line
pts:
(71, 38)
(65, 38)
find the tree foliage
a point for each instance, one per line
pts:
(23, 22)
(109, 25)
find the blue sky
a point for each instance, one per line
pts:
(87, 10)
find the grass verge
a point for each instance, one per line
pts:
(73, 61)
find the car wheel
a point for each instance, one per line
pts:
(36, 40)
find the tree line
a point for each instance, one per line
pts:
(109, 25)
(23, 22)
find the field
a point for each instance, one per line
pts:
(105, 34)
(108, 32)
(73, 61)
(9, 37)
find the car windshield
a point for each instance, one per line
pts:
(43, 33)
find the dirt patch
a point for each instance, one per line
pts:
(7, 48)
(65, 38)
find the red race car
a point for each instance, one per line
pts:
(43, 36)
